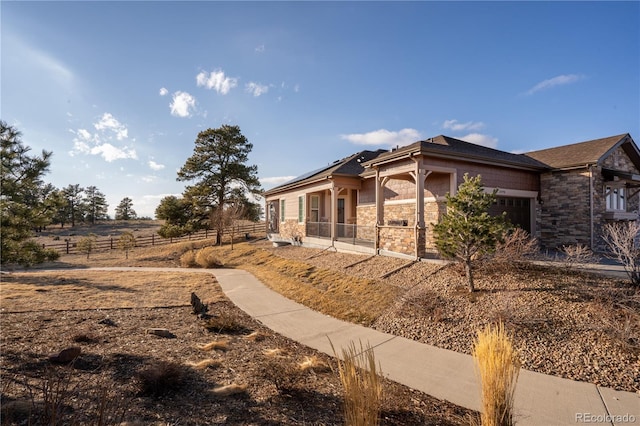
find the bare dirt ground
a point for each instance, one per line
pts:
(126, 375)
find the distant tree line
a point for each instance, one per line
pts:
(218, 195)
(29, 204)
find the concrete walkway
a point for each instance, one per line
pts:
(540, 399)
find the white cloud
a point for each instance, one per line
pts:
(163, 91)
(384, 137)
(256, 89)
(480, 139)
(111, 153)
(155, 166)
(109, 122)
(182, 104)
(456, 126)
(276, 180)
(217, 81)
(100, 142)
(148, 178)
(260, 49)
(559, 80)
(296, 88)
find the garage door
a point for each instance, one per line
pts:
(518, 211)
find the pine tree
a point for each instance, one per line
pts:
(216, 168)
(22, 208)
(125, 211)
(467, 230)
(95, 204)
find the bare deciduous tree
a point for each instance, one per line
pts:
(623, 240)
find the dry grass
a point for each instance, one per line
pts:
(362, 385)
(70, 290)
(498, 366)
(354, 299)
(228, 390)
(345, 297)
(217, 345)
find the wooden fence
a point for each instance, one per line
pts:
(244, 231)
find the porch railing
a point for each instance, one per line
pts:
(345, 232)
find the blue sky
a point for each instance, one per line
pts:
(119, 90)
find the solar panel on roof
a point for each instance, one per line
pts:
(308, 174)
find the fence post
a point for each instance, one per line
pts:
(111, 243)
(153, 239)
(67, 246)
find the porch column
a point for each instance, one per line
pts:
(335, 191)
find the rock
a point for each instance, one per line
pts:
(65, 356)
(199, 308)
(108, 321)
(161, 332)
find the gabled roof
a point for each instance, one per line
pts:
(348, 166)
(447, 147)
(585, 153)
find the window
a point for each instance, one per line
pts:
(282, 211)
(315, 208)
(300, 209)
(616, 198)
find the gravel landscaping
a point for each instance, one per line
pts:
(564, 322)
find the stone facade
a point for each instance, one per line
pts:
(565, 216)
(366, 222)
(398, 239)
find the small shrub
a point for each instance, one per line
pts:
(207, 258)
(498, 366)
(362, 385)
(188, 259)
(516, 246)
(224, 323)
(87, 244)
(126, 242)
(283, 373)
(623, 240)
(577, 254)
(160, 378)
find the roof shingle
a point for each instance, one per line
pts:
(577, 154)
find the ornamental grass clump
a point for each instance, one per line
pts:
(362, 385)
(498, 366)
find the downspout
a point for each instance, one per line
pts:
(591, 225)
(376, 236)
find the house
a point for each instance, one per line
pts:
(588, 184)
(385, 202)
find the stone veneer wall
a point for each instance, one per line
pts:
(565, 216)
(291, 229)
(366, 220)
(433, 211)
(398, 239)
